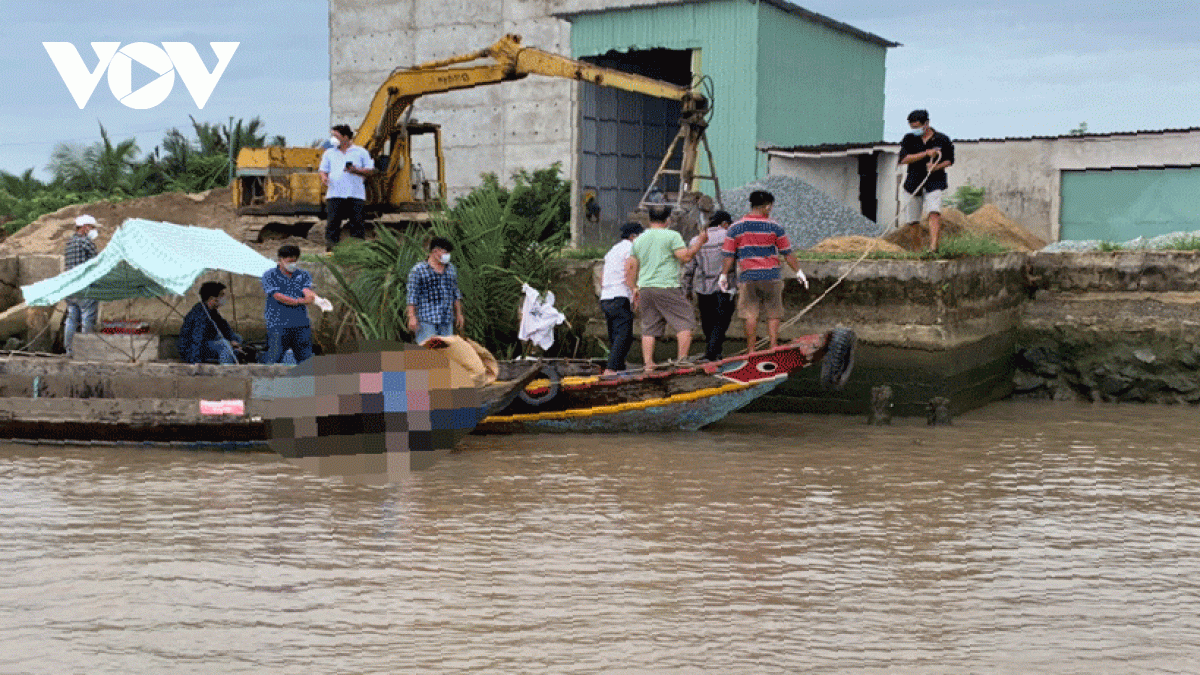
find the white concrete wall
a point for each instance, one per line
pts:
(1023, 177)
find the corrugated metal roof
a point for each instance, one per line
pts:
(850, 148)
(783, 5)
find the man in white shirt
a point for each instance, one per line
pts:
(614, 299)
(344, 170)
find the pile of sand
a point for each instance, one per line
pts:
(855, 244)
(993, 222)
(915, 237)
(213, 209)
(989, 221)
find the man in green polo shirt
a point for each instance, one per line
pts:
(652, 274)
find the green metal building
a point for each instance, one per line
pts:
(780, 75)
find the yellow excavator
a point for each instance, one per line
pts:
(273, 185)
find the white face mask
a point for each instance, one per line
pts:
(92, 234)
(335, 141)
(221, 301)
(290, 266)
(445, 258)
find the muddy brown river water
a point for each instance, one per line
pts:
(1026, 538)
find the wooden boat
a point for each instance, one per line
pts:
(53, 399)
(685, 397)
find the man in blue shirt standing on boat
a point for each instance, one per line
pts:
(289, 292)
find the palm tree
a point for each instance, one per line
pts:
(101, 166)
(496, 248)
(24, 186)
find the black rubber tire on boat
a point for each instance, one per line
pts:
(551, 374)
(839, 359)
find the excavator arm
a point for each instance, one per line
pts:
(281, 181)
(403, 87)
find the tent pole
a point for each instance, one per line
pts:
(173, 307)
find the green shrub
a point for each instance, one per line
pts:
(496, 249)
(587, 253)
(967, 199)
(969, 244)
(1185, 243)
(1110, 246)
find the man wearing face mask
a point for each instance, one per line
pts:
(205, 335)
(80, 249)
(289, 292)
(344, 170)
(435, 305)
(927, 153)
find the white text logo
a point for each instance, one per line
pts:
(172, 57)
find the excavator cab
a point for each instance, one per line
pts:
(279, 188)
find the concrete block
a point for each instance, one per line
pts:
(470, 127)
(434, 13)
(10, 277)
(429, 107)
(443, 41)
(10, 270)
(538, 88)
(351, 17)
(44, 326)
(112, 348)
(380, 51)
(539, 121)
(213, 388)
(36, 267)
(462, 176)
(533, 156)
(520, 11)
(545, 33)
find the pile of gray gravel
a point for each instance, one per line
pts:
(807, 214)
(1162, 241)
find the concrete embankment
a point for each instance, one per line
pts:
(1121, 326)
(1112, 327)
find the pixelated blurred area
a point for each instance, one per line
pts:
(373, 416)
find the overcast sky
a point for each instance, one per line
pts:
(983, 70)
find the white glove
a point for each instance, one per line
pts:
(325, 305)
(723, 283)
(801, 278)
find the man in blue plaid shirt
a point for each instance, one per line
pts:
(435, 304)
(80, 249)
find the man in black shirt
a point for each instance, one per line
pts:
(927, 153)
(205, 335)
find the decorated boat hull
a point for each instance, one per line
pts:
(685, 397)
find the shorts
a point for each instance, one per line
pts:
(756, 298)
(662, 306)
(930, 201)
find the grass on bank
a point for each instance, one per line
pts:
(1187, 243)
(963, 245)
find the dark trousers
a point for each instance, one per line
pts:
(618, 314)
(716, 311)
(338, 209)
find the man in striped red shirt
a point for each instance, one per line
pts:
(756, 242)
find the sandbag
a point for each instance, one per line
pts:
(477, 361)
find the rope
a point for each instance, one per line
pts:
(895, 223)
